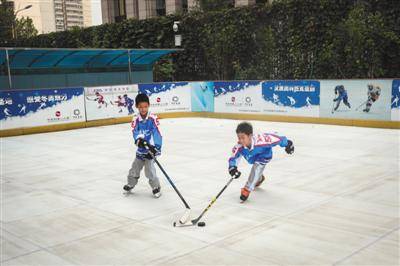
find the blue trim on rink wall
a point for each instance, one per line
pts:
(292, 95)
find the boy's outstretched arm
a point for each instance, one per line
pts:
(233, 161)
(274, 140)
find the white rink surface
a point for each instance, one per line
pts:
(334, 202)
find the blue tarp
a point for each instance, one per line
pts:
(38, 58)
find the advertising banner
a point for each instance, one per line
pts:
(29, 108)
(168, 97)
(356, 99)
(294, 98)
(110, 101)
(237, 97)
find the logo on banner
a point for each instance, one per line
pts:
(248, 102)
(58, 117)
(77, 113)
(158, 103)
(234, 102)
(175, 100)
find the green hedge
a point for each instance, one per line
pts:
(292, 39)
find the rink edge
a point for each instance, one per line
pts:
(273, 118)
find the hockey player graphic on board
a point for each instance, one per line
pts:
(341, 95)
(292, 100)
(99, 99)
(7, 112)
(373, 95)
(129, 104)
(308, 102)
(119, 103)
(23, 109)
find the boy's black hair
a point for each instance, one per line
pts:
(244, 127)
(141, 98)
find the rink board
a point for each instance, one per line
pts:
(302, 101)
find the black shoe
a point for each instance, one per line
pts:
(157, 192)
(127, 188)
(243, 198)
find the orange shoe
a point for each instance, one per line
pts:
(260, 181)
(244, 194)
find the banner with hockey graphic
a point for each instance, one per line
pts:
(294, 98)
(202, 96)
(395, 102)
(168, 97)
(110, 101)
(30, 108)
(237, 97)
(356, 99)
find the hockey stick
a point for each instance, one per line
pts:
(195, 221)
(361, 105)
(185, 217)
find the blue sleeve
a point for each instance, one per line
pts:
(235, 157)
(283, 142)
(278, 140)
(156, 134)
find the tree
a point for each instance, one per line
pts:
(6, 21)
(24, 28)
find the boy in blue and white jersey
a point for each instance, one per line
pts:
(147, 136)
(257, 150)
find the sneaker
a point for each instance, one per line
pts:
(127, 188)
(260, 181)
(157, 192)
(244, 194)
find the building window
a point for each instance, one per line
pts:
(121, 8)
(184, 6)
(160, 8)
(120, 11)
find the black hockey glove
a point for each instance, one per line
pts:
(233, 171)
(289, 147)
(152, 149)
(141, 143)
